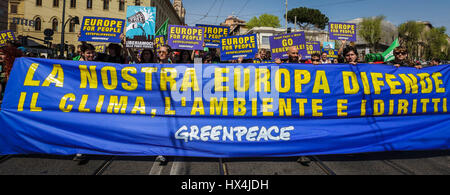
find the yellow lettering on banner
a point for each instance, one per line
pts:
(254, 107)
(301, 105)
(393, 84)
(139, 106)
(190, 80)
(287, 80)
(116, 105)
(239, 107)
(266, 106)
(105, 80)
(341, 107)
(23, 95)
(285, 107)
(365, 82)
(444, 105)
(167, 110)
(376, 82)
(378, 107)
(63, 102)
(391, 107)
(98, 108)
(33, 107)
(410, 83)
(316, 107)
(321, 83)
(350, 87)
(82, 106)
(88, 75)
(133, 83)
(436, 102)
(30, 74)
(403, 107)
(414, 107)
(262, 78)
(59, 81)
(216, 108)
(148, 76)
(219, 79)
(424, 105)
(165, 78)
(363, 107)
(239, 85)
(302, 77)
(428, 86)
(438, 82)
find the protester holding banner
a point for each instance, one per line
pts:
(324, 58)
(164, 55)
(401, 58)
(351, 55)
(87, 52)
(147, 56)
(293, 56)
(315, 59)
(114, 54)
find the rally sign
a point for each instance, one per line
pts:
(100, 48)
(342, 31)
(213, 34)
(220, 110)
(185, 37)
(312, 47)
(280, 44)
(6, 36)
(235, 47)
(159, 41)
(332, 53)
(140, 27)
(98, 29)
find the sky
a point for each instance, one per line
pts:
(396, 11)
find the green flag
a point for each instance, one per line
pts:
(163, 29)
(389, 53)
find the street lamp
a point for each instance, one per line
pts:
(74, 20)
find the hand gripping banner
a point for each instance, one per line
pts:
(222, 110)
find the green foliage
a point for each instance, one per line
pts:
(266, 20)
(370, 30)
(436, 43)
(410, 33)
(307, 18)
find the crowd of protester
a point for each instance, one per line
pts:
(118, 53)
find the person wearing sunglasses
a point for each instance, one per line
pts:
(164, 55)
(315, 59)
(401, 59)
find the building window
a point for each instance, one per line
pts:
(55, 25)
(13, 9)
(121, 5)
(37, 24)
(13, 26)
(137, 2)
(265, 40)
(105, 4)
(55, 3)
(89, 4)
(71, 26)
(73, 3)
(38, 2)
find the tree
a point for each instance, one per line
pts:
(266, 20)
(410, 33)
(307, 18)
(370, 30)
(436, 43)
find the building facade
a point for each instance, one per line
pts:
(32, 17)
(4, 15)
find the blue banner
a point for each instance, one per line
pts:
(213, 34)
(98, 29)
(235, 47)
(222, 110)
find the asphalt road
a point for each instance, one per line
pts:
(387, 163)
